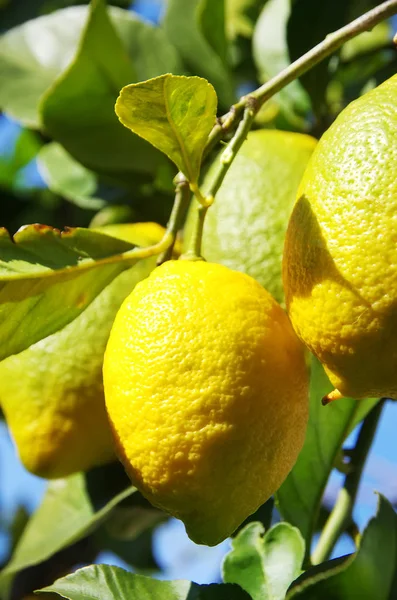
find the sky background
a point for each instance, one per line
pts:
(176, 554)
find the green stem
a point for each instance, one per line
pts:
(181, 203)
(228, 155)
(341, 514)
(194, 249)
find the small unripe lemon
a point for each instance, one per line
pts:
(340, 258)
(206, 389)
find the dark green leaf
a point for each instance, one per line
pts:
(68, 178)
(102, 582)
(197, 44)
(40, 266)
(264, 565)
(175, 114)
(300, 495)
(211, 20)
(367, 575)
(65, 516)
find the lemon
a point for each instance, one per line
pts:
(52, 393)
(245, 228)
(340, 264)
(206, 390)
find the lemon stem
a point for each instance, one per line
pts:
(226, 159)
(180, 206)
(341, 515)
(194, 249)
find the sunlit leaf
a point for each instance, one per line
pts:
(174, 113)
(299, 497)
(103, 582)
(47, 278)
(265, 564)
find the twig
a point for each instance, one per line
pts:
(181, 203)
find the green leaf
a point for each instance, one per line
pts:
(67, 177)
(211, 20)
(368, 574)
(47, 278)
(27, 67)
(197, 45)
(300, 495)
(264, 565)
(65, 515)
(78, 110)
(175, 114)
(35, 54)
(102, 582)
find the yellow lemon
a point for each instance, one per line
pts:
(52, 393)
(340, 263)
(206, 389)
(245, 228)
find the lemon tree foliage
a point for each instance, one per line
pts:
(175, 114)
(265, 564)
(210, 400)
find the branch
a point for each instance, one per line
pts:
(332, 42)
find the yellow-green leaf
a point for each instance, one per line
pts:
(174, 113)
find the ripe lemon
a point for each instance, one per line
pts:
(245, 228)
(340, 264)
(52, 393)
(206, 389)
